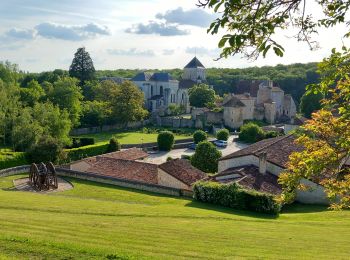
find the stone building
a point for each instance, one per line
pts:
(258, 100)
(161, 89)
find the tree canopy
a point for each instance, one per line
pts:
(201, 95)
(251, 26)
(82, 66)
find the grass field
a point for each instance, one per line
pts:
(95, 221)
(136, 137)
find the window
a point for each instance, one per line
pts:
(151, 91)
(161, 90)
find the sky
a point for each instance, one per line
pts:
(42, 35)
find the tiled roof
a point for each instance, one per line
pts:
(250, 86)
(249, 177)
(234, 102)
(161, 76)
(186, 83)
(194, 63)
(129, 154)
(125, 169)
(183, 171)
(277, 149)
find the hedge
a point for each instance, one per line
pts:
(165, 141)
(76, 154)
(12, 159)
(234, 196)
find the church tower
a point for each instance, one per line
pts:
(194, 71)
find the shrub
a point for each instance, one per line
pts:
(84, 141)
(199, 136)
(12, 159)
(251, 133)
(86, 151)
(223, 134)
(186, 157)
(46, 150)
(206, 157)
(271, 134)
(113, 145)
(165, 141)
(169, 158)
(234, 196)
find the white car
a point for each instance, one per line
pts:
(220, 143)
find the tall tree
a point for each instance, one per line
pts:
(251, 25)
(32, 93)
(67, 95)
(128, 103)
(201, 95)
(310, 102)
(82, 66)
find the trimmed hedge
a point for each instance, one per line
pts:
(165, 141)
(234, 196)
(82, 141)
(76, 154)
(12, 159)
(199, 136)
(223, 134)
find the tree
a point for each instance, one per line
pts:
(67, 95)
(310, 102)
(127, 103)
(94, 113)
(113, 145)
(176, 110)
(251, 25)
(325, 138)
(201, 95)
(223, 134)
(165, 141)
(46, 150)
(82, 66)
(251, 133)
(206, 157)
(32, 93)
(199, 136)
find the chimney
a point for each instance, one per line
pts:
(262, 163)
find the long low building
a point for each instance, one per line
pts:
(128, 165)
(259, 165)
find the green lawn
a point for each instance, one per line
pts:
(129, 137)
(95, 221)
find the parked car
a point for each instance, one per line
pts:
(220, 143)
(192, 146)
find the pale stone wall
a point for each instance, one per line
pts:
(270, 112)
(80, 166)
(237, 162)
(264, 94)
(195, 74)
(248, 110)
(289, 107)
(277, 96)
(165, 179)
(233, 117)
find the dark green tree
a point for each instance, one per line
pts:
(113, 145)
(206, 157)
(223, 134)
(251, 133)
(82, 66)
(201, 95)
(199, 136)
(165, 141)
(310, 102)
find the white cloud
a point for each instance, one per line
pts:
(159, 28)
(131, 52)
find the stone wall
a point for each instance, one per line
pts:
(175, 122)
(15, 170)
(107, 128)
(167, 180)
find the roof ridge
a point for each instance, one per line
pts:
(272, 143)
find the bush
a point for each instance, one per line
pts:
(234, 196)
(271, 134)
(84, 141)
(186, 157)
(165, 141)
(199, 136)
(251, 133)
(86, 151)
(169, 158)
(12, 159)
(46, 150)
(223, 134)
(113, 145)
(206, 157)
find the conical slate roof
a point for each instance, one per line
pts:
(194, 63)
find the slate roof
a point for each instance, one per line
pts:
(125, 169)
(234, 102)
(277, 149)
(186, 83)
(194, 63)
(143, 76)
(183, 171)
(148, 76)
(129, 154)
(250, 178)
(156, 97)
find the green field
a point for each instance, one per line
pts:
(136, 137)
(95, 221)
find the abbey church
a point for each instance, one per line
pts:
(161, 89)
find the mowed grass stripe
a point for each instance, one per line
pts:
(101, 219)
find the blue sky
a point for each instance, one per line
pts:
(42, 35)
